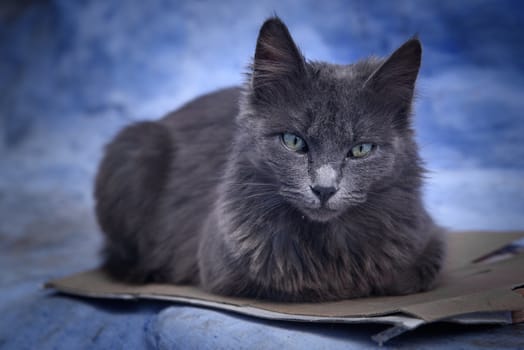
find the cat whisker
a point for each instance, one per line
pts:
(354, 199)
(289, 191)
(257, 195)
(266, 211)
(240, 184)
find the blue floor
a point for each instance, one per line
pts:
(72, 73)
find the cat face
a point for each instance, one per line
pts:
(328, 136)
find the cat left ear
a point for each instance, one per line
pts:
(277, 59)
(397, 75)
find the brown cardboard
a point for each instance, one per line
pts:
(466, 247)
(466, 288)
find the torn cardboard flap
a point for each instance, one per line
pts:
(466, 247)
(466, 288)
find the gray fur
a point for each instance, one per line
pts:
(205, 198)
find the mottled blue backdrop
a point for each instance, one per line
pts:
(73, 72)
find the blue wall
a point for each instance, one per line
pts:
(73, 72)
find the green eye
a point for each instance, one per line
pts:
(294, 143)
(361, 150)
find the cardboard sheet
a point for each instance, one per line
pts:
(468, 292)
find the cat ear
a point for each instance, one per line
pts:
(277, 59)
(396, 77)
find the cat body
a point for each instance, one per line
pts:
(304, 185)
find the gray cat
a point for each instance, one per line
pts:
(304, 185)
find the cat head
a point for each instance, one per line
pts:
(328, 136)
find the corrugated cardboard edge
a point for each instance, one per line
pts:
(245, 309)
(399, 323)
(404, 316)
(435, 305)
(517, 316)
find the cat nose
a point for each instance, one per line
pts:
(324, 192)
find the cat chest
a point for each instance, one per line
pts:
(294, 266)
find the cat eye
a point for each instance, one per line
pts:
(294, 143)
(361, 150)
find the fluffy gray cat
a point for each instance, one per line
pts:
(304, 185)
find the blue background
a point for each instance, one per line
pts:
(73, 72)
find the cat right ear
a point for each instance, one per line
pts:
(397, 75)
(277, 59)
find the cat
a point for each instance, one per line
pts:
(304, 185)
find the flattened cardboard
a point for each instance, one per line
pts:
(486, 291)
(466, 247)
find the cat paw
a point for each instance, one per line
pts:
(422, 275)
